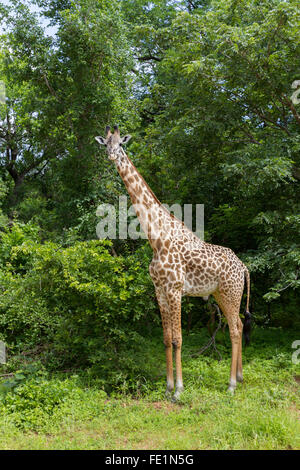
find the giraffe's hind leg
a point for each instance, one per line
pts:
(231, 310)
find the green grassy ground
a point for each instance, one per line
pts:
(263, 414)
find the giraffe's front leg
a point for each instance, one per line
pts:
(174, 301)
(179, 383)
(169, 362)
(167, 333)
(169, 353)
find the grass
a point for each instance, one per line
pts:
(263, 413)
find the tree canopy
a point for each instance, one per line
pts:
(205, 88)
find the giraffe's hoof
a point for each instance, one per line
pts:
(232, 386)
(169, 391)
(176, 395)
(231, 389)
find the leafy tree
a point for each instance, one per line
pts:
(60, 93)
(206, 88)
(221, 105)
(3, 190)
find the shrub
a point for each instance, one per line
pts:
(79, 304)
(30, 403)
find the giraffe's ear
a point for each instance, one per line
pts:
(125, 139)
(100, 140)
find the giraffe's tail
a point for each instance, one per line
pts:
(247, 321)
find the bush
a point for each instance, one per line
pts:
(79, 305)
(32, 400)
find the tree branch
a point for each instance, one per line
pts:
(146, 58)
(291, 106)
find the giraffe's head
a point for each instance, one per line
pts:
(113, 142)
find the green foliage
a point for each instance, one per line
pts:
(206, 88)
(84, 304)
(31, 403)
(3, 191)
(221, 104)
(74, 414)
(60, 93)
(31, 371)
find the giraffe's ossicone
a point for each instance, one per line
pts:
(183, 264)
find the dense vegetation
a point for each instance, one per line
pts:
(71, 411)
(205, 89)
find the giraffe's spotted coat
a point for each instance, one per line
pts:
(182, 264)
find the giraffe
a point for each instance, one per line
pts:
(182, 265)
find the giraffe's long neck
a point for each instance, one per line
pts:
(155, 220)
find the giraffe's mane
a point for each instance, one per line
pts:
(156, 199)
